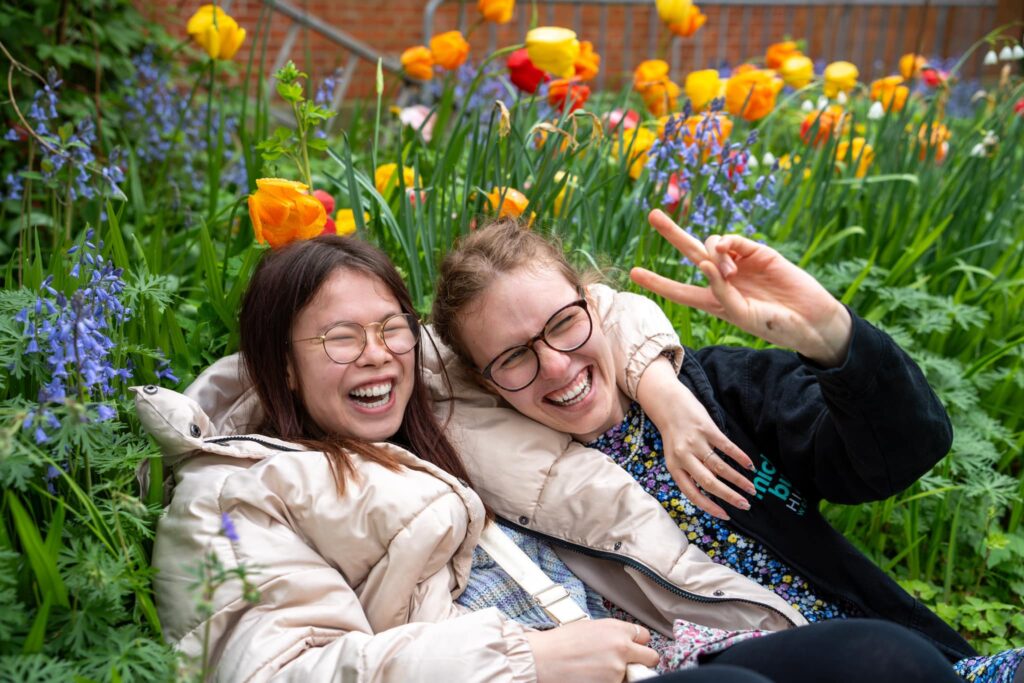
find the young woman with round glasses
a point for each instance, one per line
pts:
(314, 463)
(849, 418)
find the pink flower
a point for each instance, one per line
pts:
(1018, 108)
(627, 118)
(933, 77)
(420, 118)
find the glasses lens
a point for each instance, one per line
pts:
(568, 329)
(515, 368)
(400, 333)
(343, 343)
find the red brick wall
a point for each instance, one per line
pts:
(865, 35)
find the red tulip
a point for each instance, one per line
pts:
(523, 74)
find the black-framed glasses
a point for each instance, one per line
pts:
(344, 342)
(568, 329)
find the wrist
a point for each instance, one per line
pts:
(833, 340)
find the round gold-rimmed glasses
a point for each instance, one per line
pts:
(344, 342)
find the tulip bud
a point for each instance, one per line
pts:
(876, 112)
(990, 58)
(1006, 54)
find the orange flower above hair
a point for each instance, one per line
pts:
(751, 94)
(507, 201)
(588, 62)
(418, 63)
(449, 49)
(891, 92)
(283, 211)
(691, 22)
(778, 53)
(565, 91)
(496, 11)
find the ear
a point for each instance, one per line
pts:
(289, 374)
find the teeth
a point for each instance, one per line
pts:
(575, 393)
(375, 404)
(373, 390)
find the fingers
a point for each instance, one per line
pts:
(736, 453)
(693, 493)
(732, 302)
(687, 295)
(706, 473)
(639, 652)
(688, 245)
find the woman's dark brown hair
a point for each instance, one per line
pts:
(285, 281)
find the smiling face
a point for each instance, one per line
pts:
(574, 392)
(364, 399)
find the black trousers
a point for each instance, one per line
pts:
(840, 651)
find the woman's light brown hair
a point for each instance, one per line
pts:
(503, 246)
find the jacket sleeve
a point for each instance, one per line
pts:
(862, 431)
(638, 331)
(309, 624)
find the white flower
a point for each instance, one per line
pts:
(876, 111)
(841, 98)
(1006, 54)
(822, 102)
(1018, 52)
(768, 159)
(978, 150)
(978, 95)
(807, 106)
(752, 162)
(990, 139)
(990, 58)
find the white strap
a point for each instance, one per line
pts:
(553, 598)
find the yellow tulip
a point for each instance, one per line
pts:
(797, 71)
(507, 201)
(345, 221)
(751, 94)
(659, 93)
(216, 32)
(911, 65)
(856, 151)
(840, 77)
(565, 194)
(418, 63)
(891, 92)
(553, 49)
(673, 11)
(449, 49)
(641, 140)
(702, 87)
(384, 177)
(283, 211)
(690, 24)
(497, 11)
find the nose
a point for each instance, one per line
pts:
(552, 363)
(374, 353)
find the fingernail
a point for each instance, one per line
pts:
(743, 505)
(751, 467)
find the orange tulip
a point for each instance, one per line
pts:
(507, 201)
(911, 65)
(690, 24)
(563, 91)
(751, 94)
(857, 151)
(934, 136)
(588, 62)
(649, 71)
(778, 53)
(660, 94)
(497, 11)
(449, 50)
(891, 92)
(830, 123)
(283, 211)
(418, 63)
(707, 130)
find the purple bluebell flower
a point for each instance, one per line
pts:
(227, 527)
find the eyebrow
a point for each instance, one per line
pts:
(324, 329)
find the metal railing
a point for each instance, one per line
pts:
(842, 29)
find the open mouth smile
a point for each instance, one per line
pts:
(575, 392)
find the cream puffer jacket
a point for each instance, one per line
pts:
(358, 587)
(604, 526)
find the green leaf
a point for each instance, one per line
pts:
(43, 566)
